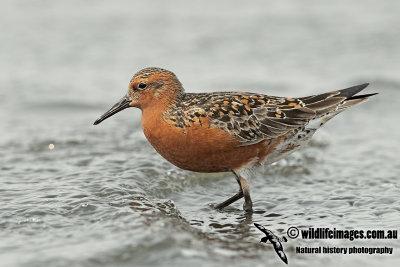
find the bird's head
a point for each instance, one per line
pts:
(150, 88)
(264, 239)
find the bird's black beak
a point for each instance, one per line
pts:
(121, 105)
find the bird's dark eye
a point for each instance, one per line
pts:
(142, 85)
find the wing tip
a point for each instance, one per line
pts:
(351, 91)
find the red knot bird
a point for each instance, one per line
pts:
(227, 131)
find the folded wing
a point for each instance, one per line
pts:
(254, 117)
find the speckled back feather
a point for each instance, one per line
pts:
(253, 118)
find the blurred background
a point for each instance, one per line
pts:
(74, 194)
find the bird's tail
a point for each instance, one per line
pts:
(351, 98)
(328, 105)
(336, 101)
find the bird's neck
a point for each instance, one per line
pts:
(159, 105)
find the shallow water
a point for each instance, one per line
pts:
(103, 196)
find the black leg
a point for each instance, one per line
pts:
(229, 201)
(248, 204)
(232, 199)
(244, 191)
